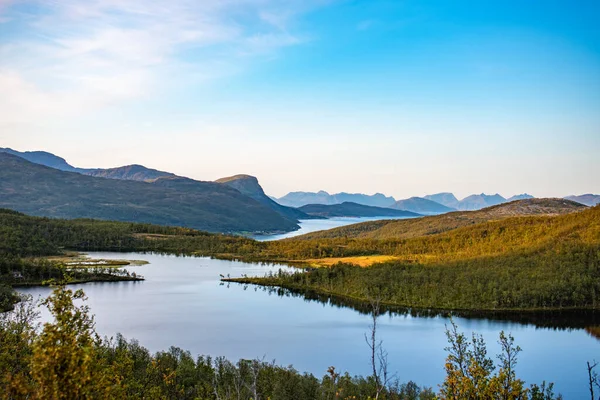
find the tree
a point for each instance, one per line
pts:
(65, 363)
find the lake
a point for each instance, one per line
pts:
(183, 303)
(313, 225)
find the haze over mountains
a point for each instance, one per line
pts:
(233, 204)
(430, 204)
(299, 199)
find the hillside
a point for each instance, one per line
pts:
(299, 199)
(519, 263)
(43, 158)
(422, 206)
(129, 172)
(249, 186)
(38, 190)
(348, 209)
(442, 223)
(587, 199)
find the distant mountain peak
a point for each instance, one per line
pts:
(445, 198)
(42, 158)
(588, 199)
(299, 199)
(248, 185)
(422, 206)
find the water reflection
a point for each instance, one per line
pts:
(558, 320)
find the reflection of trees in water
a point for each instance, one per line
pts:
(558, 320)
(593, 331)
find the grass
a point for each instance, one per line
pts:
(361, 261)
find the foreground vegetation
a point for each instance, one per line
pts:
(68, 360)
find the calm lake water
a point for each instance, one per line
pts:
(182, 303)
(313, 225)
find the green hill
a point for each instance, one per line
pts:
(349, 209)
(514, 263)
(442, 223)
(38, 190)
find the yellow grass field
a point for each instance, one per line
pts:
(362, 261)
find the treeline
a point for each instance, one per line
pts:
(536, 262)
(68, 360)
(482, 239)
(23, 235)
(568, 277)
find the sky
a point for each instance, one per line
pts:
(404, 97)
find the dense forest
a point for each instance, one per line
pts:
(68, 360)
(515, 263)
(532, 262)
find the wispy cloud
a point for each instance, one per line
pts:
(64, 57)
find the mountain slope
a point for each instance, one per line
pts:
(133, 172)
(249, 186)
(299, 199)
(410, 228)
(479, 201)
(42, 158)
(38, 190)
(129, 172)
(444, 198)
(421, 205)
(587, 199)
(348, 209)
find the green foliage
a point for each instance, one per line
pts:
(67, 360)
(471, 374)
(514, 263)
(22, 235)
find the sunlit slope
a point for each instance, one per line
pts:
(409, 228)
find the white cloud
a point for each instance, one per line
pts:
(79, 55)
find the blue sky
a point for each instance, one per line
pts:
(400, 97)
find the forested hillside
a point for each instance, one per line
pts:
(536, 262)
(442, 223)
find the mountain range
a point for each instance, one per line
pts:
(587, 199)
(299, 199)
(43, 191)
(283, 213)
(422, 205)
(133, 172)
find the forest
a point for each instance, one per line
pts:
(516, 263)
(66, 359)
